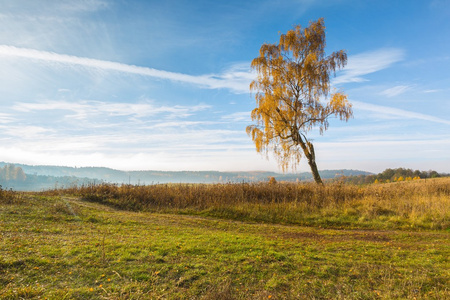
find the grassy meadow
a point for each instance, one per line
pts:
(228, 241)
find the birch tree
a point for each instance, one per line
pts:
(293, 95)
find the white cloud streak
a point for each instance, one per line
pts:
(82, 109)
(368, 62)
(82, 5)
(234, 79)
(390, 111)
(6, 118)
(26, 132)
(433, 91)
(241, 116)
(395, 91)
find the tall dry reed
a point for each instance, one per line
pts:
(421, 203)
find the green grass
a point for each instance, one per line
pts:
(59, 247)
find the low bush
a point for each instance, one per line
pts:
(9, 196)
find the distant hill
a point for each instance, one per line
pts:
(45, 177)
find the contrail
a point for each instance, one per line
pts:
(397, 112)
(205, 81)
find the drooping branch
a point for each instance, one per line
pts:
(293, 76)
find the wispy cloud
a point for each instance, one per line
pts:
(236, 79)
(81, 5)
(395, 91)
(390, 111)
(242, 116)
(433, 91)
(84, 108)
(26, 131)
(6, 118)
(36, 9)
(368, 62)
(179, 139)
(180, 124)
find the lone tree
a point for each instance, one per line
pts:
(293, 81)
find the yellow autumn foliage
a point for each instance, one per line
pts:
(292, 83)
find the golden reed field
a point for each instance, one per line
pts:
(421, 203)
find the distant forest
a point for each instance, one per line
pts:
(11, 173)
(13, 177)
(390, 175)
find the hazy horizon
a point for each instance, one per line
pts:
(150, 170)
(151, 85)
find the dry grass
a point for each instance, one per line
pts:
(10, 196)
(420, 203)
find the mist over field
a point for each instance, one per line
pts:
(37, 178)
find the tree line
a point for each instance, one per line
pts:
(390, 175)
(12, 173)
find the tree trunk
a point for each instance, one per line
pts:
(311, 156)
(308, 150)
(314, 171)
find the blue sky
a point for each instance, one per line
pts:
(163, 85)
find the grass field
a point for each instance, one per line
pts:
(393, 242)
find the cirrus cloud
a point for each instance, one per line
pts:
(368, 62)
(236, 79)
